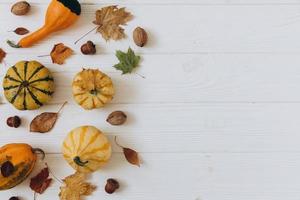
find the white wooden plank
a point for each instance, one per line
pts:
(187, 176)
(186, 78)
(172, 2)
(174, 127)
(203, 29)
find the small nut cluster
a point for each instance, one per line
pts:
(89, 48)
(116, 118)
(140, 37)
(111, 185)
(20, 8)
(14, 121)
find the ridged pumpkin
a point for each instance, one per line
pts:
(92, 89)
(28, 85)
(22, 157)
(86, 149)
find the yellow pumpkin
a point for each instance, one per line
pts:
(86, 149)
(22, 157)
(28, 85)
(92, 89)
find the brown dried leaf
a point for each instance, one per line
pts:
(130, 154)
(60, 53)
(21, 31)
(40, 182)
(75, 187)
(109, 19)
(44, 122)
(2, 55)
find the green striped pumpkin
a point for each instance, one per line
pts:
(28, 85)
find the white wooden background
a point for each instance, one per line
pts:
(217, 118)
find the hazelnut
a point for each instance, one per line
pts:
(111, 185)
(140, 37)
(20, 8)
(116, 118)
(14, 198)
(89, 48)
(13, 121)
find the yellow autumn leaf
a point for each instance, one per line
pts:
(75, 187)
(109, 19)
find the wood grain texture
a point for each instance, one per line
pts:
(215, 118)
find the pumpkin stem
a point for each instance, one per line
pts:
(12, 44)
(39, 151)
(79, 162)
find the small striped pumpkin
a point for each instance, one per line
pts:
(92, 89)
(86, 149)
(28, 85)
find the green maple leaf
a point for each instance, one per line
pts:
(127, 61)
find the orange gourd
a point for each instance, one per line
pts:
(60, 15)
(22, 157)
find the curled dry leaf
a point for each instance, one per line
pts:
(40, 182)
(60, 53)
(2, 55)
(44, 122)
(130, 154)
(109, 19)
(21, 31)
(75, 187)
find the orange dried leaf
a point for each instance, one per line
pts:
(60, 53)
(109, 19)
(2, 55)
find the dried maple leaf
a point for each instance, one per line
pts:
(44, 122)
(40, 182)
(110, 19)
(60, 53)
(21, 31)
(127, 61)
(130, 154)
(75, 187)
(2, 55)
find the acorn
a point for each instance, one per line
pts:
(140, 37)
(89, 48)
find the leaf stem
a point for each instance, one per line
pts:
(85, 34)
(118, 143)
(62, 106)
(50, 171)
(43, 56)
(140, 75)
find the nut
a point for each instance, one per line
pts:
(14, 198)
(20, 8)
(13, 121)
(116, 118)
(111, 185)
(89, 48)
(7, 169)
(140, 37)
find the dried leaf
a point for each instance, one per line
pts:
(21, 31)
(109, 19)
(2, 55)
(127, 61)
(60, 53)
(44, 122)
(130, 154)
(75, 187)
(40, 182)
